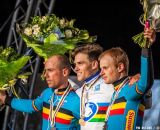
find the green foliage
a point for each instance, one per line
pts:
(10, 66)
(139, 38)
(49, 35)
(7, 54)
(141, 41)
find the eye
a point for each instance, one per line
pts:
(50, 70)
(80, 63)
(105, 67)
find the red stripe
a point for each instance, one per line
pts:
(116, 89)
(62, 121)
(58, 120)
(102, 108)
(140, 113)
(60, 94)
(45, 116)
(117, 112)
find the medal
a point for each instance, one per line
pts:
(82, 122)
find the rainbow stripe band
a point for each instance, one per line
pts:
(101, 114)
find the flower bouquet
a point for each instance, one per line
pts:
(49, 35)
(150, 17)
(10, 66)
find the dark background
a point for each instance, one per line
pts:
(114, 22)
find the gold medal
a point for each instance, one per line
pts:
(82, 122)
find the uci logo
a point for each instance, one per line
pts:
(90, 110)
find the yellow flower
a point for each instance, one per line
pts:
(28, 31)
(12, 82)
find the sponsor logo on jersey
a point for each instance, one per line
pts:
(130, 120)
(97, 88)
(90, 110)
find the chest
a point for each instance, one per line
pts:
(97, 93)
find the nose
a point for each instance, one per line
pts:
(101, 72)
(75, 68)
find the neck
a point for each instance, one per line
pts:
(119, 81)
(122, 75)
(95, 71)
(64, 85)
(61, 89)
(91, 77)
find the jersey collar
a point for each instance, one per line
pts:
(92, 77)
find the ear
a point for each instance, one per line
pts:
(65, 72)
(95, 64)
(121, 67)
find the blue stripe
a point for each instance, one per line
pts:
(88, 80)
(103, 104)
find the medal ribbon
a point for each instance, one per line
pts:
(85, 96)
(54, 113)
(115, 97)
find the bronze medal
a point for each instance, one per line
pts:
(82, 122)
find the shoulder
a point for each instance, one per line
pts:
(73, 96)
(73, 84)
(47, 91)
(79, 91)
(73, 93)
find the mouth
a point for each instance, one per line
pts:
(79, 74)
(48, 81)
(104, 78)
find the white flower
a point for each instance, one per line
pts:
(24, 81)
(62, 22)
(28, 31)
(43, 19)
(68, 33)
(36, 29)
(57, 36)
